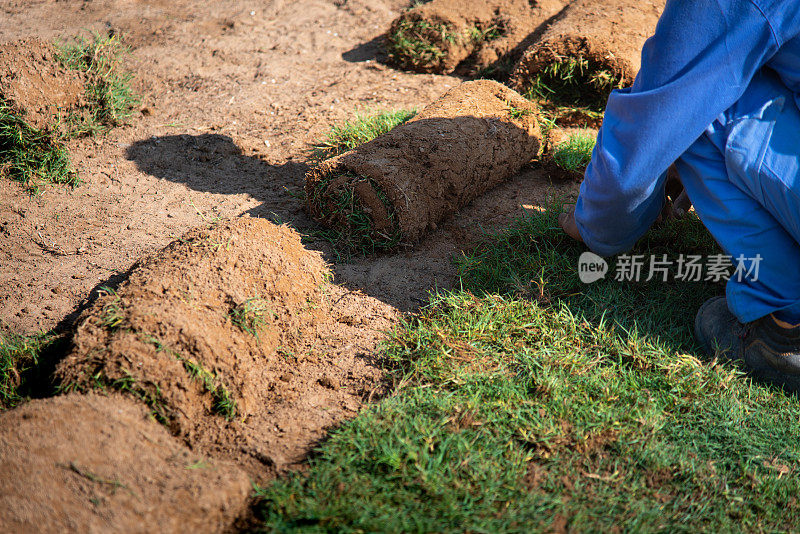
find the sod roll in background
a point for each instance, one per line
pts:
(521, 27)
(437, 36)
(406, 181)
(597, 44)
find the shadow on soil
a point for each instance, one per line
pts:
(370, 51)
(214, 163)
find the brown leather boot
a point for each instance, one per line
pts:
(766, 350)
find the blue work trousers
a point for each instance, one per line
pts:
(743, 177)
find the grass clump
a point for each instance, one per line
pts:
(480, 35)
(250, 315)
(223, 402)
(530, 402)
(418, 44)
(38, 156)
(359, 130)
(575, 153)
(111, 315)
(21, 365)
(518, 113)
(110, 99)
(30, 155)
(351, 230)
(576, 82)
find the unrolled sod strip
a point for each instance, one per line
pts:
(594, 47)
(439, 35)
(403, 183)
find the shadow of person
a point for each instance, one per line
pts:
(214, 163)
(373, 50)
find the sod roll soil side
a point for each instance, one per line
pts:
(437, 36)
(601, 40)
(225, 335)
(495, 57)
(406, 181)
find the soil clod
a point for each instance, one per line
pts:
(98, 464)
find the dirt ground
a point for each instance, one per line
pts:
(234, 94)
(32, 81)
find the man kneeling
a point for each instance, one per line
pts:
(718, 94)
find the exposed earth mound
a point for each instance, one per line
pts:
(594, 47)
(99, 464)
(402, 184)
(236, 341)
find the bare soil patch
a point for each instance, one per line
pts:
(474, 137)
(98, 464)
(236, 341)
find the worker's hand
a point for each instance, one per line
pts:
(568, 224)
(676, 201)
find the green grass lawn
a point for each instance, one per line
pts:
(527, 401)
(575, 153)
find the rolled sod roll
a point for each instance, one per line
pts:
(497, 56)
(437, 36)
(592, 49)
(396, 187)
